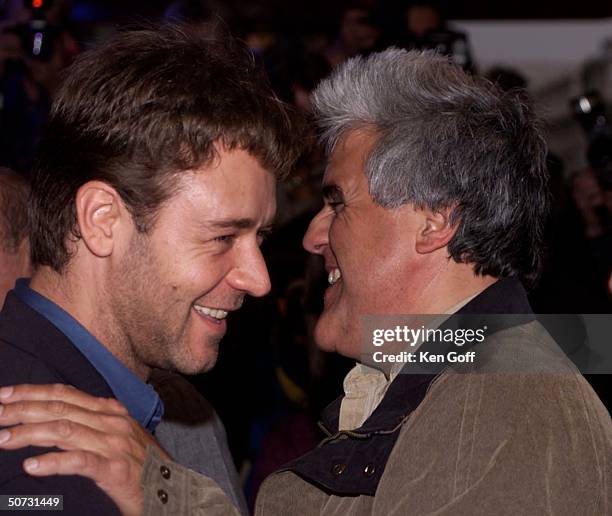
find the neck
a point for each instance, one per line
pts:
(448, 285)
(84, 298)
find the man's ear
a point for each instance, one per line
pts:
(99, 210)
(436, 230)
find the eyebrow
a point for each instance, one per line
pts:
(239, 224)
(332, 193)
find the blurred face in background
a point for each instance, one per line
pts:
(10, 47)
(357, 30)
(420, 19)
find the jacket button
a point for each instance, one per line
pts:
(369, 470)
(165, 472)
(163, 496)
(338, 469)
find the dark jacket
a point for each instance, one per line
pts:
(32, 350)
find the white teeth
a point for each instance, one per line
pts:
(334, 276)
(212, 312)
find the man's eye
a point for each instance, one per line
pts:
(225, 239)
(336, 206)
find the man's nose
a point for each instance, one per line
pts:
(317, 235)
(251, 275)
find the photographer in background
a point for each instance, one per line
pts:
(592, 186)
(32, 55)
(421, 25)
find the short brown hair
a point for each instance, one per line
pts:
(139, 110)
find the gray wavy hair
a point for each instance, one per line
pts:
(447, 139)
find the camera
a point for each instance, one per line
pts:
(37, 36)
(591, 112)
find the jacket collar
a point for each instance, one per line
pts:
(24, 328)
(351, 463)
(505, 296)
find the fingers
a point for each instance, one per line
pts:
(41, 411)
(60, 392)
(67, 435)
(100, 440)
(55, 423)
(77, 462)
(118, 477)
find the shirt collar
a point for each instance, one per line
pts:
(365, 387)
(337, 464)
(141, 400)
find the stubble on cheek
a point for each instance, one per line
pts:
(192, 351)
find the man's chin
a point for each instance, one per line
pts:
(330, 336)
(324, 345)
(325, 337)
(197, 359)
(193, 367)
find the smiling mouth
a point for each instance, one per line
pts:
(215, 313)
(215, 316)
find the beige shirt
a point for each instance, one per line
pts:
(365, 386)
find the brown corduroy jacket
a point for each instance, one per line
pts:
(520, 433)
(477, 445)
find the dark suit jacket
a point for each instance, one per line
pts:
(32, 350)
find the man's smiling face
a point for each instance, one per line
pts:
(177, 283)
(369, 251)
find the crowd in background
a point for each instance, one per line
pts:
(271, 381)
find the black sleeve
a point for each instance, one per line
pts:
(81, 495)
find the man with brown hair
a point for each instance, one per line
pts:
(152, 190)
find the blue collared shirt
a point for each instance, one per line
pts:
(141, 400)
